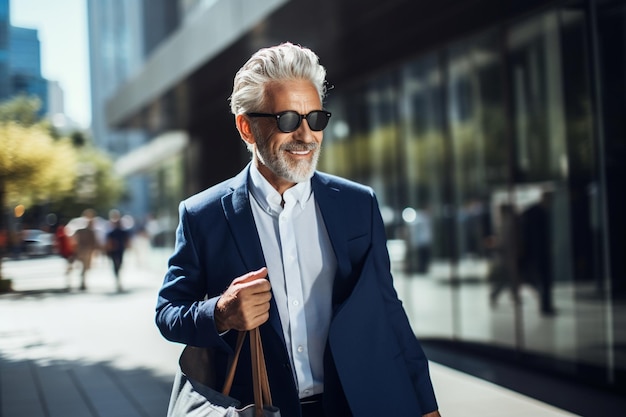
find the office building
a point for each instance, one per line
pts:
(5, 23)
(25, 66)
(116, 53)
(56, 110)
(20, 61)
(491, 131)
(56, 99)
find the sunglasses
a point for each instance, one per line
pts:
(289, 121)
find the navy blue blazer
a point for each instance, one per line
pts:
(373, 363)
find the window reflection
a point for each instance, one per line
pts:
(610, 82)
(483, 156)
(427, 261)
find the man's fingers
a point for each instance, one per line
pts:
(251, 276)
(254, 282)
(246, 302)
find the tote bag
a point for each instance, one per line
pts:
(192, 395)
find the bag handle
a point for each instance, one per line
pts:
(260, 382)
(263, 378)
(230, 376)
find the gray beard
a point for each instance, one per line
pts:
(280, 165)
(291, 171)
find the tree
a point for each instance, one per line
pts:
(22, 110)
(95, 186)
(38, 165)
(33, 167)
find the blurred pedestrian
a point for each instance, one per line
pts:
(117, 241)
(65, 248)
(536, 263)
(4, 241)
(86, 245)
(503, 255)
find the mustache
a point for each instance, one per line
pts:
(299, 146)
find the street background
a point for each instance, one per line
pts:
(103, 342)
(98, 353)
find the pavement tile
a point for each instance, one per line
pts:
(150, 393)
(106, 397)
(19, 390)
(60, 393)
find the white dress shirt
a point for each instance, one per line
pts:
(301, 267)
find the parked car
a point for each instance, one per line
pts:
(37, 242)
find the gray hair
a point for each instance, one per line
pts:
(278, 63)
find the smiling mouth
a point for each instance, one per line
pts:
(299, 152)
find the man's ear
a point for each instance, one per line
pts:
(244, 128)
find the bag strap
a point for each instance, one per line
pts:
(230, 376)
(259, 373)
(263, 379)
(260, 382)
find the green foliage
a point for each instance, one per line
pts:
(21, 110)
(96, 186)
(33, 166)
(38, 164)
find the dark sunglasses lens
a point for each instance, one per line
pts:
(317, 120)
(288, 121)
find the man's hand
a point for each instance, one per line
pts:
(433, 414)
(245, 304)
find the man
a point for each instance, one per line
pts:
(86, 245)
(117, 241)
(536, 249)
(299, 253)
(65, 247)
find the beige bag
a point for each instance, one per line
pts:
(192, 395)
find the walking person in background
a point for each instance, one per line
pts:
(86, 245)
(503, 255)
(65, 248)
(298, 253)
(117, 241)
(536, 263)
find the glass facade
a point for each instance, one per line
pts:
(25, 60)
(25, 51)
(116, 52)
(4, 48)
(490, 163)
(164, 194)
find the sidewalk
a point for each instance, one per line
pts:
(98, 353)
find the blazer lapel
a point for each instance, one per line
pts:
(240, 219)
(237, 210)
(328, 200)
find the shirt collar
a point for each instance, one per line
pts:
(269, 199)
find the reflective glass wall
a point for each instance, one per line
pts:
(487, 158)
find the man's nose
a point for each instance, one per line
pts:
(304, 133)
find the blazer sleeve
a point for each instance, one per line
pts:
(184, 312)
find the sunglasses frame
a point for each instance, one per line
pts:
(277, 116)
